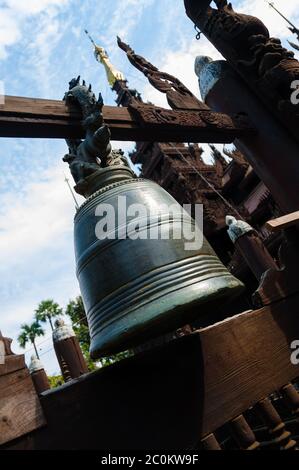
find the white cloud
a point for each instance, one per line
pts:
(32, 222)
(180, 63)
(272, 20)
(36, 251)
(13, 15)
(32, 7)
(9, 30)
(126, 15)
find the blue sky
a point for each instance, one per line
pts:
(43, 46)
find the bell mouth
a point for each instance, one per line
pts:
(165, 314)
(102, 178)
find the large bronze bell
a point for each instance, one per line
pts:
(136, 289)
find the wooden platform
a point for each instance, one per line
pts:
(172, 397)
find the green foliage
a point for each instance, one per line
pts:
(29, 333)
(75, 310)
(56, 381)
(108, 361)
(47, 310)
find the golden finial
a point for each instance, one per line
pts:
(113, 75)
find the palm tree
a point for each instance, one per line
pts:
(75, 310)
(47, 310)
(29, 333)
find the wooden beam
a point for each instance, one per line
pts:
(284, 222)
(39, 118)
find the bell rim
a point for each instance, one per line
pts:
(158, 321)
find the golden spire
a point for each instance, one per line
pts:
(113, 75)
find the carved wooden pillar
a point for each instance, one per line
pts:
(281, 438)
(210, 443)
(243, 434)
(68, 352)
(38, 375)
(262, 86)
(291, 398)
(272, 152)
(250, 246)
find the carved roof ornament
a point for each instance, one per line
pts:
(178, 95)
(5, 345)
(101, 55)
(267, 67)
(218, 157)
(237, 157)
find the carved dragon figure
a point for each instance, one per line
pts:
(95, 152)
(229, 25)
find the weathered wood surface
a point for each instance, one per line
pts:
(174, 396)
(20, 410)
(70, 358)
(39, 118)
(284, 222)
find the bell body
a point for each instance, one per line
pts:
(135, 289)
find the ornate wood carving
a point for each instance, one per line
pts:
(178, 96)
(263, 63)
(29, 117)
(150, 115)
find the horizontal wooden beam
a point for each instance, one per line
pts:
(39, 118)
(284, 222)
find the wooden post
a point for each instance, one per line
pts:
(210, 443)
(281, 438)
(291, 398)
(20, 410)
(243, 434)
(250, 246)
(68, 352)
(38, 375)
(272, 152)
(283, 282)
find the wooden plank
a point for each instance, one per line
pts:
(12, 364)
(39, 118)
(20, 410)
(245, 359)
(172, 397)
(2, 352)
(284, 222)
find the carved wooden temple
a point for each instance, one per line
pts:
(215, 385)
